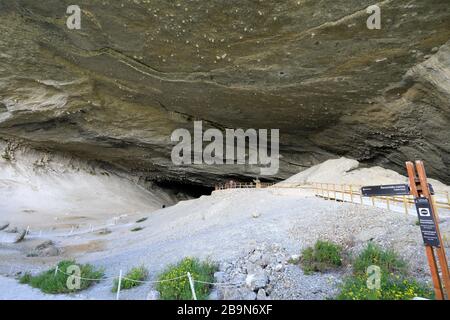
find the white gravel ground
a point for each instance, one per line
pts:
(223, 227)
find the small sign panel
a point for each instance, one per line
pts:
(386, 190)
(427, 223)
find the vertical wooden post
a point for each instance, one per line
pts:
(351, 193)
(360, 195)
(405, 204)
(387, 203)
(440, 250)
(421, 181)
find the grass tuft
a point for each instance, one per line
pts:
(322, 257)
(388, 261)
(49, 282)
(394, 283)
(179, 289)
(134, 275)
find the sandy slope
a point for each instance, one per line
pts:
(42, 191)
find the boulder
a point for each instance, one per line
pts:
(261, 295)
(257, 280)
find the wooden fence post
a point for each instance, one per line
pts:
(405, 204)
(420, 189)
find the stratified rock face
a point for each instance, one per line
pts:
(116, 89)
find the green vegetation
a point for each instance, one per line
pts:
(131, 279)
(179, 289)
(388, 261)
(391, 288)
(141, 220)
(323, 256)
(394, 283)
(49, 282)
(137, 229)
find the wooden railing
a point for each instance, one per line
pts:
(346, 193)
(352, 193)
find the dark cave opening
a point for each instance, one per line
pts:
(185, 189)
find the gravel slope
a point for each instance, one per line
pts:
(227, 225)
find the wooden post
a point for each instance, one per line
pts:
(405, 204)
(387, 203)
(419, 188)
(351, 193)
(360, 196)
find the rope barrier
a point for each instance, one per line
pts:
(57, 270)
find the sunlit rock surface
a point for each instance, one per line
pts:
(116, 89)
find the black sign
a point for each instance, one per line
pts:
(427, 223)
(386, 190)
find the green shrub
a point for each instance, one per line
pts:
(141, 220)
(391, 288)
(323, 256)
(131, 278)
(179, 289)
(48, 282)
(388, 261)
(137, 229)
(394, 283)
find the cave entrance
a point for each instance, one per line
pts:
(185, 190)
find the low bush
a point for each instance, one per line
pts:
(323, 256)
(394, 283)
(131, 279)
(179, 289)
(49, 282)
(388, 261)
(391, 288)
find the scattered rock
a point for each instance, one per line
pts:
(153, 295)
(4, 225)
(238, 294)
(261, 295)
(20, 235)
(256, 215)
(256, 280)
(215, 295)
(219, 276)
(45, 249)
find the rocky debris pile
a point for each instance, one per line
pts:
(267, 272)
